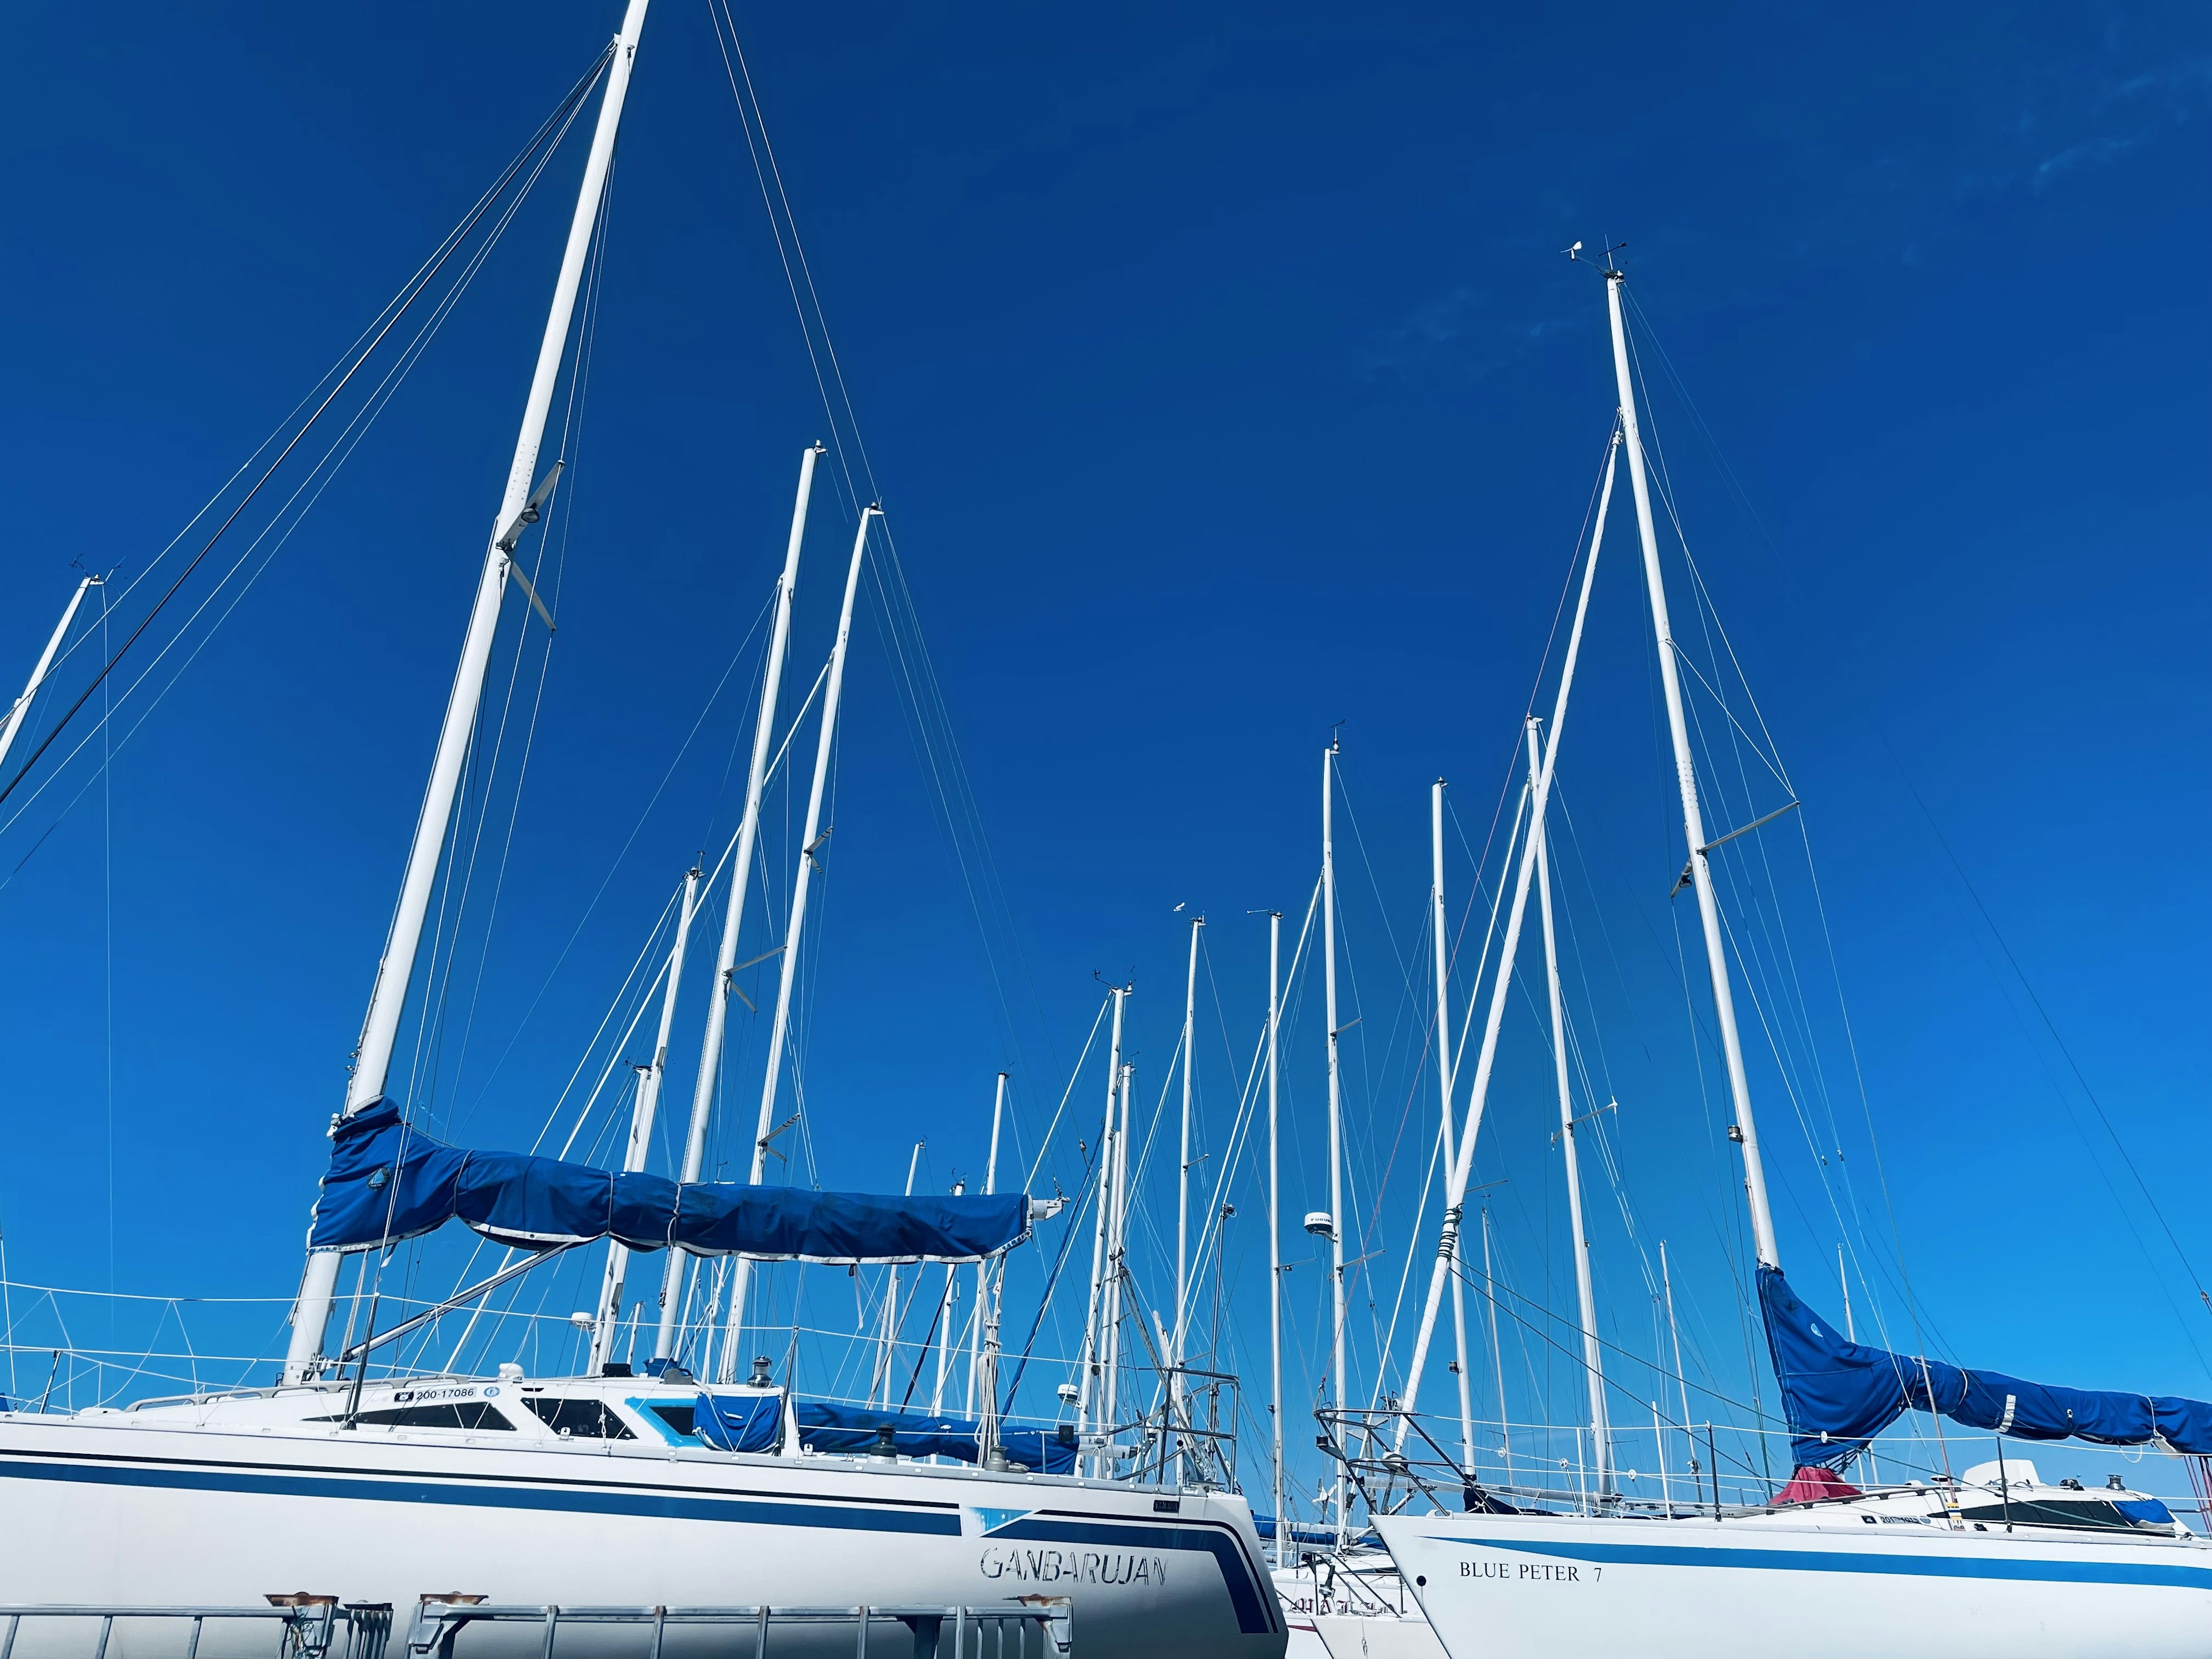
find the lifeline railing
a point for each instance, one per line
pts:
(1043, 1627)
(306, 1625)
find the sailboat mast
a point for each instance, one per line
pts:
(983, 1268)
(1275, 1223)
(1496, 1351)
(1674, 1336)
(45, 666)
(311, 1312)
(1087, 1397)
(1444, 1100)
(1746, 1133)
(1117, 1256)
(733, 912)
(809, 844)
(1343, 1393)
(640, 1123)
(1479, 1093)
(1585, 1295)
(1182, 1206)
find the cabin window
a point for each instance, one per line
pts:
(2092, 1513)
(459, 1414)
(582, 1419)
(681, 1416)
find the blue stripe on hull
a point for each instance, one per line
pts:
(658, 1506)
(1909, 1566)
(1255, 1612)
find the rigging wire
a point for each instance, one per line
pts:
(411, 293)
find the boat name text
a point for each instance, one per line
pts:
(1043, 1564)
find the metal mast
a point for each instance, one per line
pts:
(1699, 873)
(1479, 1093)
(733, 915)
(1117, 1255)
(311, 1312)
(1183, 1207)
(982, 1268)
(1586, 1296)
(640, 1123)
(1087, 1394)
(1445, 1100)
(45, 665)
(1497, 1352)
(809, 844)
(1275, 1224)
(1343, 1394)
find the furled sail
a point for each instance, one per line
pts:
(388, 1181)
(1838, 1395)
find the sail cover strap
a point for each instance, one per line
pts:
(389, 1182)
(1838, 1395)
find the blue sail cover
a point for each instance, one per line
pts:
(832, 1425)
(1838, 1395)
(388, 1182)
(739, 1422)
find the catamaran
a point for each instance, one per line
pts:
(1992, 1562)
(609, 1487)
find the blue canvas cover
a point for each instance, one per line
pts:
(388, 1182)
(1838, 1395)
(739, 1422)
(833, 1425)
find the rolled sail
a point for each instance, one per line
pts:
(388, 1181)
(1838, 1395)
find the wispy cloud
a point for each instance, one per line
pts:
(1456, 330)
(2078, 158)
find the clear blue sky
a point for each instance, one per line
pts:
(1224, 382)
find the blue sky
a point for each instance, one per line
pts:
(1224, 382)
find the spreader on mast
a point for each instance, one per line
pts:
(1746, 1133)
(311, 1313)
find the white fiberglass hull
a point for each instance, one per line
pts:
(1353, 1607)
(107, 1509)
(1516, 1587)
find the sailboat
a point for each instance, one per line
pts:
(609, 1487)
(1994, 1561)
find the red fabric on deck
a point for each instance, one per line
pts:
(1811, 1484)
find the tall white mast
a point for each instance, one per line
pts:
(1183, 1208)
(641, 1124)
(1117, 1252)
(1585, 1295)
(891, 1295)
(1479, 1093)
(1088, 1396)
(982, 1268)
(733, 915)
(311, 1312)
(1674, 1335)
(809, 844)
(947, 1297)
(1445, 1100)
(45, 665)
(1497, 1352)
(1275, 1226)
(1340, 1390)
(1746, 1133)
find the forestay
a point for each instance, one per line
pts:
(1838, 1395)
(388, 1182)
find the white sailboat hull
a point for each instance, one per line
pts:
(1353, 1606)
(1514, 1587)
(105, 1508)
